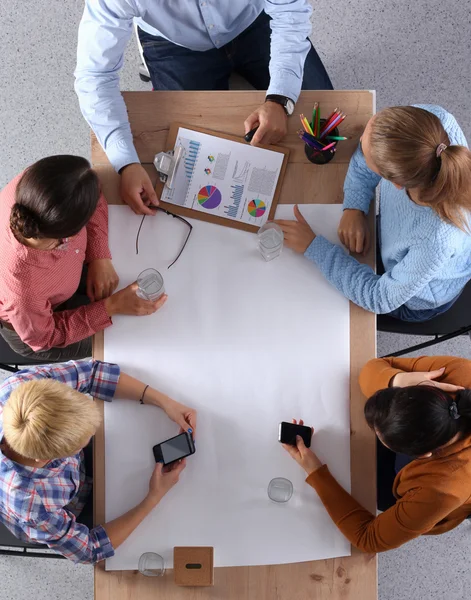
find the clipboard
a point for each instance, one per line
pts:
(209, 218)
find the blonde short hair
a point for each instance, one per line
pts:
(45, 419)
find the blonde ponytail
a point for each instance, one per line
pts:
(404, 142)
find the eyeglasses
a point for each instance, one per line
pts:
(167, 212)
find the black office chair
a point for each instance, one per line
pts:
(454, 322)
(11, 361)
(9, 544)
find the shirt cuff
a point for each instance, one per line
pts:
(285, 83)
(357, 202)
(318, 249)
(318, 476)
(99, 318)
(121, 153)
(105, 380)
(103, 547)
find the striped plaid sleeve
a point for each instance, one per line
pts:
(63, 534)
(99, 379)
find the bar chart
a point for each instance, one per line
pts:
(192, 151)
(236, 197)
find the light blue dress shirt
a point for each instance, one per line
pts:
(107, 25)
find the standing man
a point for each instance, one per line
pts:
(193, 45)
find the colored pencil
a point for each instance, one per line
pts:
(335, 123)
(313, 120)
(318, 124)
(331, 118)
(303, 123)
(334, 120)
(329, 146)
(337, 138)
(306, 123)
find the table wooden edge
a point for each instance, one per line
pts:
(363, 463)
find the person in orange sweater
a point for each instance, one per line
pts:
(421, 408)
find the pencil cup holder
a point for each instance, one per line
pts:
(317, 156)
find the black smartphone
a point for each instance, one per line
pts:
(288, 431)
(174, 449)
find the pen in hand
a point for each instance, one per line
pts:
(249, 136)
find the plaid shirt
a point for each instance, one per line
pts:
(40, 505)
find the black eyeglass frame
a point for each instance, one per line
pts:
(171, 214)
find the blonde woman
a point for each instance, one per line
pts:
(47, 417)
(419, 157)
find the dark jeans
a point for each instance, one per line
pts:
(388, 465)
(81, 349)
(86, 516)
(174, 67)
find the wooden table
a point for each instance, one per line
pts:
(150, 114)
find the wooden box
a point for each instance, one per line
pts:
(193, 565)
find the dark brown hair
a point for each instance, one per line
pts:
(404, 142)
(55, 198)
(418, 419)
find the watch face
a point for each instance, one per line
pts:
(289, 106)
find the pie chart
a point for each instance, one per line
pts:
(256, 208)
(209, 197)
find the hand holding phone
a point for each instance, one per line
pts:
(288, 431)
(174, 449)
(163, 479)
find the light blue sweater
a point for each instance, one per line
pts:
(427, 261)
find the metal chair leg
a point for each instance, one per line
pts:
(437, 340)
(9, 368)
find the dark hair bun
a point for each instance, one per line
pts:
(24, 222)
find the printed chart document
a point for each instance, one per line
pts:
(248, 344)
(222, 177)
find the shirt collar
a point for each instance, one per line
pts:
(52, 469)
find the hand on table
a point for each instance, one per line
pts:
(102, 279)
(424, 378)
(163, 479)
(298, 234)
(183, 416)
(127, 302)
(137, 190)
(305, 457)
(272, 123)
(354, 232)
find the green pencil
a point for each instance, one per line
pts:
(337, 138)
(313, 120)
(318, 128)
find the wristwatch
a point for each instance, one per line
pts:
(285, 102)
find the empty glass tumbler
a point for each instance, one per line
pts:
(270, 241)
(280, 489)
(151, 285)
(151, 564)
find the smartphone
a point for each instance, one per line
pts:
(288, 431)
(174, 449)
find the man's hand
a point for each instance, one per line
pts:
(137, 189)
(272, 123)
(102, 279)
(298, 234)
(181, 414)
(305, 457)
(353, 231)
(127, 302)
(424, 378)
(163, 479)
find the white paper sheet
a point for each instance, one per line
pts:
(248, 344)
(221, 177)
